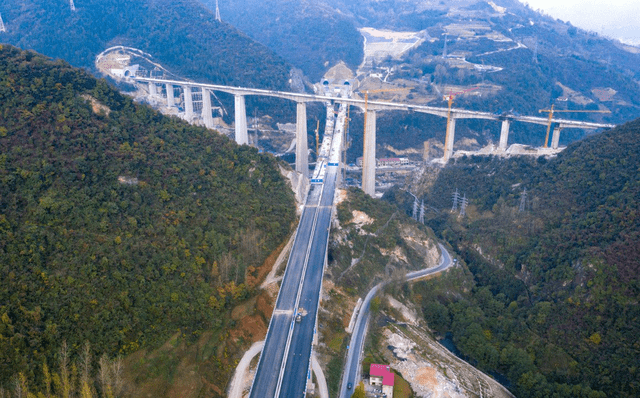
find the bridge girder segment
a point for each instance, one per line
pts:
(241, 92)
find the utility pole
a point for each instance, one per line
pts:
(523, 200)
(2, 27)
(463, 205)
(456, 199)
(73, 6)
(218, 13)
(444, 52)
(421, 219)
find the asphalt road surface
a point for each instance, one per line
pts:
(351, 372)
(283, 368)
(266, 379)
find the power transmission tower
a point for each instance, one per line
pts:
(463, 205)
(523, 200)
(218, 13)
(535, 52)
(2, 27)
(456, 199)
(421, 219)
(415, 209)
(73, 6)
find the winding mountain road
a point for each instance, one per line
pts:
(351, 374)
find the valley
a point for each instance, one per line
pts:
(116, 216)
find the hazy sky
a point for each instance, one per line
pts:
(618, 19)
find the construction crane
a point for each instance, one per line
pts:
(449, 98)
(317, 137)
(552, 111)
(366, 100)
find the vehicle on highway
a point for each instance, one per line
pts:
(349, 385)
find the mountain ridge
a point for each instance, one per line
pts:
(121, 226)
(559, 261)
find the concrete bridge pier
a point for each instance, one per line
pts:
(556, 138)
(242, 137)
(152, 89)
(206, 108)
(450, 137)
(504, 134)
(171, 102)
(188, 102)
(369, 155)
(302, 148)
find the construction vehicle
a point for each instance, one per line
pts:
(552, 111)
(300, 313)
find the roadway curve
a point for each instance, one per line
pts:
(351, 370)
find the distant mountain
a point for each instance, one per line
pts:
(182, 35)
(122, 227)
(560, 262)
(521, 61)
(308, 34)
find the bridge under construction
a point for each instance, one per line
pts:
(168, 90)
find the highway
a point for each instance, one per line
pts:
(351, 373)
(284, 363)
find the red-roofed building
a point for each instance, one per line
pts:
(381, 375)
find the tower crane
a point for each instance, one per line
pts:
(552, 111)
(449, 98)
(317, 137)
(366, 101)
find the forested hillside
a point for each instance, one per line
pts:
(182, 35)
(310, 36)
(556, 301)
(120, 226)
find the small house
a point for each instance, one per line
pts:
(381, 375)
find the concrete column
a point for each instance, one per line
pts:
(369, 155)
(450, 139)
(556, 138)
(206, 108)
(242, 137)
(504, 134)
(170, 100)
(188, 101)
(302, 149)
(152, 89)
